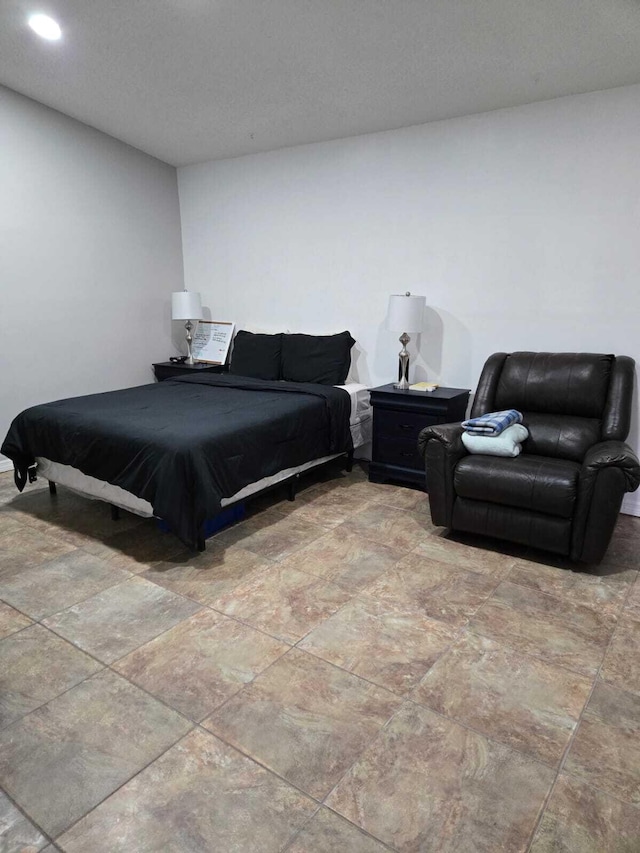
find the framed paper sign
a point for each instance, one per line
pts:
(212, 340)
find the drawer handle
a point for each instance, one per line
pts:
(405, 426)
(404, 453)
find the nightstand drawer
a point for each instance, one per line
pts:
(403, 425)
(397, 451)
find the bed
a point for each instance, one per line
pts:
(183, 449)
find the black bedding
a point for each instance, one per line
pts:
(184, 444)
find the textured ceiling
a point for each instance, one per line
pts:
(194, 80)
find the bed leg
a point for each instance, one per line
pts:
(200, 544)
(52, 488)
(349, 462)
(115, 513)
(292, 486)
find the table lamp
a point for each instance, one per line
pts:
(405, 315)
(186, 305)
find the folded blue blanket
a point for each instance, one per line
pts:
(492, 423)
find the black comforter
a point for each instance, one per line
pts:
(184, 444)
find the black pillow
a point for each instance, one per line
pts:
(257, 356)
(316, 358)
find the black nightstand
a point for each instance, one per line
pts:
(169, 369)
(398, 418)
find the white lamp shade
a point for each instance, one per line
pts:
(405, 313)
(186, 305)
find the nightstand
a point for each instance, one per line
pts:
(398, 418)
(169, 369)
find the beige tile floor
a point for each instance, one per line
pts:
(332, 674)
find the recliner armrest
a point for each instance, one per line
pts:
(449, 435)
(612, 454)
(609, 469)
(441, 447)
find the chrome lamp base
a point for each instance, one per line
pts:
(188, 326)
(403, 365)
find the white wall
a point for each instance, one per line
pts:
(521, 227)
(90, 252)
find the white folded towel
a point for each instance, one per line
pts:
(506, 444)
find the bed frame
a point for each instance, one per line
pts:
(291, 483)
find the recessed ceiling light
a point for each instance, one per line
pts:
(45, 27)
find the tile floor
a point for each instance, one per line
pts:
(333, 674)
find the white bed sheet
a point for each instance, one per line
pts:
(360, 423)
(360, 399)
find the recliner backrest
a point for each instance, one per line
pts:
(569, 401)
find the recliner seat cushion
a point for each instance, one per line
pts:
(531, 482)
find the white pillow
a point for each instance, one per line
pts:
(506, 444)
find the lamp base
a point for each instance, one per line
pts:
(403, 365)
(188, 326)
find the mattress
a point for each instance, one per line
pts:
(360, 423)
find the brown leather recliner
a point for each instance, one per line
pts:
(563, 492)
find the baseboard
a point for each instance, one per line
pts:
(631, 504)
(6, 465)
